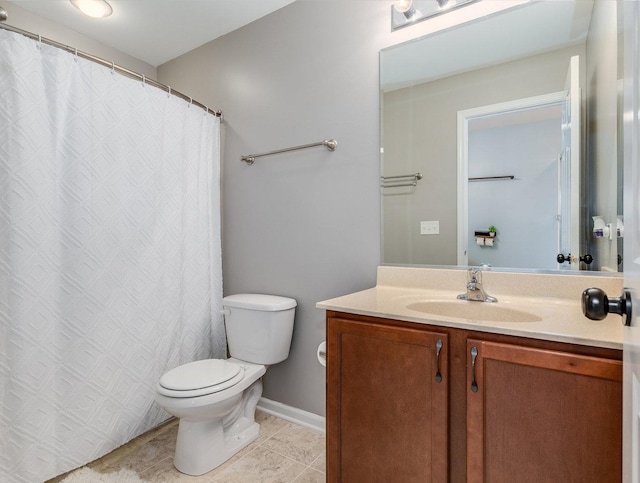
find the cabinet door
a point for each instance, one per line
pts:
(386, 403)
(535, 415)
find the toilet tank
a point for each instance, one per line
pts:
(259, 327)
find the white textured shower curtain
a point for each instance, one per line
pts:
(110, 269)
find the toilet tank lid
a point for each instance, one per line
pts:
(253, 301)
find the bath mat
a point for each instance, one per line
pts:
(87, 475)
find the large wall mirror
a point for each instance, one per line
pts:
(510, 121)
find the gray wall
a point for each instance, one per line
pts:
(304, 224)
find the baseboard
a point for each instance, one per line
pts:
(294, 415)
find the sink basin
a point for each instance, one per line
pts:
(463, 309)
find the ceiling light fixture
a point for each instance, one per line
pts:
(408, 12)
(93, 8)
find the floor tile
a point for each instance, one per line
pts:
(139, 457)
(269, 425)
(298, 443)
(261, 466)
(320, 463)
(283, 453)
(165, 472)
(311, 476)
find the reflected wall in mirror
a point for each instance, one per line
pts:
(427, 86)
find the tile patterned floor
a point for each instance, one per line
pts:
(283, 453)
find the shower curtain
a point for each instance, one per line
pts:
(110, 270)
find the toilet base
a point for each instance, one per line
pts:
(204, 445)
(195, 455)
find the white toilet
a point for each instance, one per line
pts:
(216, 399)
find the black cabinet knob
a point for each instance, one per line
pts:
(586, 259)
(596, 305)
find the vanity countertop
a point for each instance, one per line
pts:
(554, 299)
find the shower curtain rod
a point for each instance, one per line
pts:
(117, 68)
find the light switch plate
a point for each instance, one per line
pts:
(429, 227)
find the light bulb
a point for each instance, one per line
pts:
(402, 5)
(405, 7)
(93, 8)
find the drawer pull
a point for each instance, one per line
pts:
(474, 384)
(438, 349)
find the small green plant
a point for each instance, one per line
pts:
(493, 229)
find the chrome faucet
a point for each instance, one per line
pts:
(475, 291)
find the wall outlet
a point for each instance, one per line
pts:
(429, 227)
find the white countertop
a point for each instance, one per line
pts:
(559, 309)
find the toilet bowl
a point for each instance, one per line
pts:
(215, 399)
(216, 421)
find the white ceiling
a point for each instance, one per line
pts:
(156, 31)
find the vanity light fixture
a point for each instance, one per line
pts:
(408, 12)
(93, 8)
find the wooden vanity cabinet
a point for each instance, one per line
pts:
(519, 410)
(539, 415)
(386, 403)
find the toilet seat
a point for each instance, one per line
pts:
(200, 378)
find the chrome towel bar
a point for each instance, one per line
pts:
(330, 144)
(400, 180)
(492, 178)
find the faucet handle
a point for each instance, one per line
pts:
(474, 274)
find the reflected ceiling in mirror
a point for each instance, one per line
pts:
(518, 53)
(516, 33)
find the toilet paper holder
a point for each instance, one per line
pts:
(321, 353)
